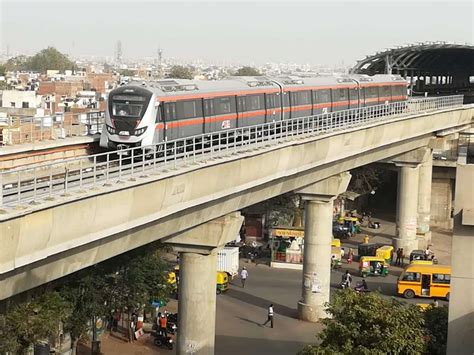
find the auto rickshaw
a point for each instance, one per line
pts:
(422, 262)
(350, 222)
(385, 252)
(367, 249)
(417, 255)
(336, 242)
(222, 281)
(336, 261)
(372, 266)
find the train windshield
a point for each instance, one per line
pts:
(128, 106)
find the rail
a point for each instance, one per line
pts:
(20, 130)
(30, 184)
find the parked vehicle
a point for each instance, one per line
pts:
(385, 252)
(367, 249)
(162, 340)
(372, 266)
(425, 281)
(222, 282)
(336, 257)
(228, 261)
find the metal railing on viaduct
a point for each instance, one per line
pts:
(30, 185)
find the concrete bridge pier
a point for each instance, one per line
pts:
(407, 197)
(319, 199)
(197, 281)
(424, 201)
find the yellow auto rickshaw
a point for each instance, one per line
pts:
(171, 278)
(222, 282)
(422, 262)
(336, 242)
(336, 261)
(373, 266)
(385, 252)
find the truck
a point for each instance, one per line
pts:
(228, 261)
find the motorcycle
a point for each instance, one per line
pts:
(163, 341)
(345, 284)
(171, 328)
(359, 288)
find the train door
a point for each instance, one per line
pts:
(286, 105)
(271, 105)
(241, 111)
(208, 115)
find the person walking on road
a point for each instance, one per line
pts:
(243, 276)
(402, 256)
(350, 256)
(270, 316)
(397, 262)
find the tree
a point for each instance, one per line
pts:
(370, 324)
(35, 320)
(247, 71)
(127, 72)
(180, 72)
(436, 323)
(49, 58)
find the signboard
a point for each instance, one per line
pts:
(287, 233)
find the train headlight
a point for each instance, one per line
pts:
(110, 129)
(140, 131)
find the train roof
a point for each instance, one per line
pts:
(258, 84)
(172, 87)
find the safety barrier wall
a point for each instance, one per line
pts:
(29, 185)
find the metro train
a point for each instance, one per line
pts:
(147, 113)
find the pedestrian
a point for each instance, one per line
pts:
(397, 262)
(350, 255)
(163, 324)
(393, 257)
(243, 276)
(270, 316)
(402, 256)
(346, 280)
(333, 261)
(435, 303)
(427, 253)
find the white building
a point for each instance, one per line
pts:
(20, 99)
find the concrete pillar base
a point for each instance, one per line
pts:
(311, 313)
(408, 245)
(424, 239)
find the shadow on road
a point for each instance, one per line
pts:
(262, 303)
(238, 345)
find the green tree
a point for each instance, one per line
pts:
(370, 324)
(180, 72)
(247, 71)
(127, 72)
(436, 323)
(3, 69)
(36, 320)
(50, 58)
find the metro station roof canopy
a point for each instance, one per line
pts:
(430, 57)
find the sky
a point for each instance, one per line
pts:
(248, 32)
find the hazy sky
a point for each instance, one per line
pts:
(317, 32)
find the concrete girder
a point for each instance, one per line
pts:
(126, 216)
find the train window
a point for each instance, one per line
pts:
(353, 94)
(341, 95)
(170, 111)
(385, 91)
(222, 105)
(254, 102)
(371, 92)
(270, 100)
(286, 99)
(241, 103)
(189, 109)
(322, 96)
(303, 97)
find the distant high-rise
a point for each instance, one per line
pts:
(118, 52)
